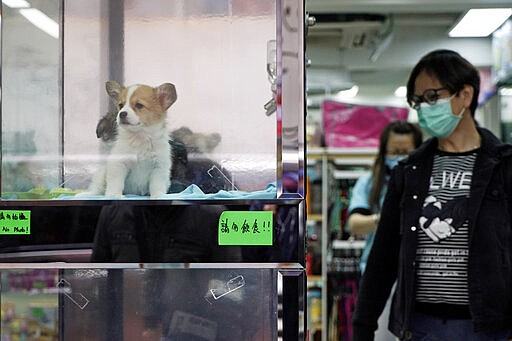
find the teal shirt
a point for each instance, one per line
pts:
(360, 199)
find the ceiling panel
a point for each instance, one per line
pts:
(417, 26)
(397, 6)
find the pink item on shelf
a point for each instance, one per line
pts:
(354, 125)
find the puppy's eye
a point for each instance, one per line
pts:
(139, 106)
(120, 105)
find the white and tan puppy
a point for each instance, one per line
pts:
(139, 161)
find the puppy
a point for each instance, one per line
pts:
(106, 129)
(196, 142)
(139, 161)
(200, 170)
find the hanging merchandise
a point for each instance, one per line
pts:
(351, 125)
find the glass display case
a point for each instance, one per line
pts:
(230, 124)
(148, 140)
(147, 302)
(230, 74)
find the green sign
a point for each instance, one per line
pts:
(246, 228)
(14, 222)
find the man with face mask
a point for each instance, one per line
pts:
(445, 230)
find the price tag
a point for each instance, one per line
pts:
(14, 222)
(246, 228)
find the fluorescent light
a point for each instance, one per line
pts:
(480, 22)
(350, 93)
(401, 91)
(16, 3)
(41, 21)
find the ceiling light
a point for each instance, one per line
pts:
(401, 91)
(480, 22)
(16, 3)
(350, 93)
(41, 21)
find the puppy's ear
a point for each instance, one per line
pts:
(166, 94)
(113, 90)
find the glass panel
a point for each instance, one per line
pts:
(29, 304)
(31, 123)
(139, 304)
(156, 233)
(58, 120)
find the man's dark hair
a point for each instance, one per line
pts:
(451, 69)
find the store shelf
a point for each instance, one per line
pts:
(314, 217)
(315, 279)
(356, 152)
(317, 326)
(345, 153)
(348, 244)
(336, 166)
(348, 174)
(351, 161)
(315, 152)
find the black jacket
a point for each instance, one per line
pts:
(177, 234)
(490, 242)
(161, 234)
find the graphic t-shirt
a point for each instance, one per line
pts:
(442, 253)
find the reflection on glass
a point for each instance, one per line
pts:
(158, 234)
(139, 304)
(271, 105)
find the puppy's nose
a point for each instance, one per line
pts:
(123, 114)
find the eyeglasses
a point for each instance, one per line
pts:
(430, 96)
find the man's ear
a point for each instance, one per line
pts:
(467, 93)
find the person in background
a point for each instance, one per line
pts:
(397, 140)
(445, 229)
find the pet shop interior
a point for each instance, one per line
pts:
(273, 112)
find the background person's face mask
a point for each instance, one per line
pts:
(437, 119)
(392, 160)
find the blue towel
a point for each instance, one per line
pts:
(192, 192)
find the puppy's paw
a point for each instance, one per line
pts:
(86, 194)
(117, 195)
(157, 196)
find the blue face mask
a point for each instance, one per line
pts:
(392, 160)
(437, 119)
